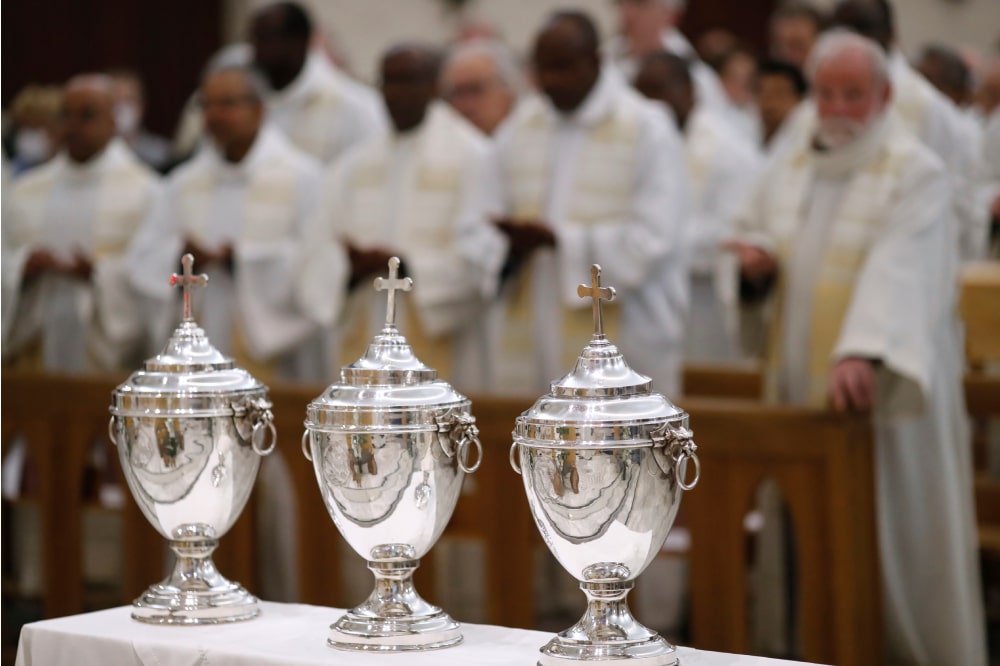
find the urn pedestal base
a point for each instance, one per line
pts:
(195, 592)
(394, 618)
(607, 634)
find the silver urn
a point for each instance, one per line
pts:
(390, 445)
(191, 428)
(603, 459)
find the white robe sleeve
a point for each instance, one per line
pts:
(905, 291)
(655, 227)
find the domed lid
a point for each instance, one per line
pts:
(389, 376)
(190, 376)
(602, 401)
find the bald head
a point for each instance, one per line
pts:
(869, 18)
(232, 104)
(88, 115)
(481, 80)
(947, 71)
(566, 60)
(280, 34)
(409, 75)
(850, 82)
(666, 78)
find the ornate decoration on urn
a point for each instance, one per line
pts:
(603, 459)
(390, 445)
(191, 429)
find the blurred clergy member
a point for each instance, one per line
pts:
(481, 80)
(239, 207)
(67, 305)
(592, 173)
(424, 193)
(854, 220)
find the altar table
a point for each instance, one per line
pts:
(283, 635)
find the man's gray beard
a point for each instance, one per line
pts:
(834, 133)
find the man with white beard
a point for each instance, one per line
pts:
(321, 110)
(67, 305)
(854, 219)
(424, 192)
(722, 168)
(239, 207)
(592, 173)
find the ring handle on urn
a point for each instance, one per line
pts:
(471, 437)
(305, 446)
(682, 448)
(259, 433)
(112, 435)
(513, 460)
(460, 427)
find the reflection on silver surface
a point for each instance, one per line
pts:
(190, 428)
(602, 459)
(390, 445)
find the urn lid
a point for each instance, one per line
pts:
(190, 377)
(388, 387)
(602, 401)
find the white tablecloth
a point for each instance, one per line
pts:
(283, 635)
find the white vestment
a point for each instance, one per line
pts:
(324, 112)
(428, 194)
(609, 179)
(722, 169)
(869, 259)
(259, 206)
(93, 209)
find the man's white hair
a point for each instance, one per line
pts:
(837, 42)
(508, 68)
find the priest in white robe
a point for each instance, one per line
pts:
(426, 193)
(854, 221)
(67, 304)
(722, 167)
(320, 109)
(240, 207)
(592, 173)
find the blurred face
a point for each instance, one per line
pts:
(656, 81)
(792, 39)
(737, 78)
(278, 56)
(776, 97)
(473, 86)
(407, 87)
(987, 96)
(642, 22)
(564, 69)
(88, 121)
(848, 97)
(232, 115)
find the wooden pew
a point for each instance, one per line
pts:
(823, 464)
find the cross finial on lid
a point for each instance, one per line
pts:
(392, 284)
(598, 293)
(186, 281)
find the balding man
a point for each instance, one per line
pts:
(319, 108)
(592, 173)
(482, 80)
(854, 219)
(722, 167)
(240, 206)
(424, 193)
(66, 301)
(930, 116)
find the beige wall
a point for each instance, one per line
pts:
(362, 29)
